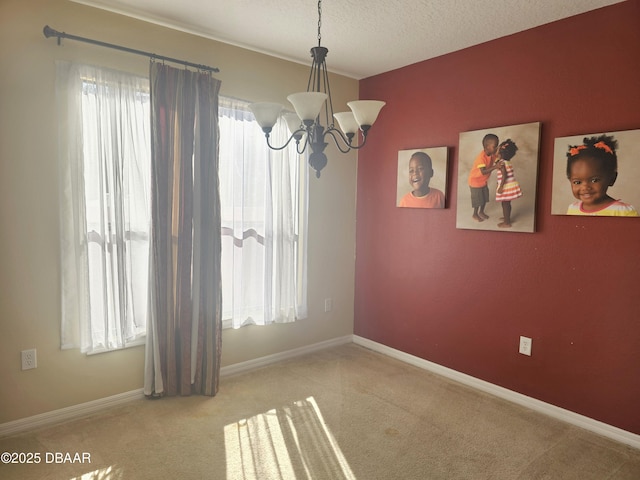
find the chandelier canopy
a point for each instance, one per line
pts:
(305, 124)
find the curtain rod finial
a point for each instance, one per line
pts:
(50, 32)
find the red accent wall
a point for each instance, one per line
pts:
(462, 298)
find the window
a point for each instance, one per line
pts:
(105, 207)
(105, 192)
(263, 194)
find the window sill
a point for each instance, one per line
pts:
(136, 343)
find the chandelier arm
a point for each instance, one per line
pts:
(300, 149)
(344, 145)
(333, 131)
(293, 135)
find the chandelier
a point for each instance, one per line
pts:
(305, 125)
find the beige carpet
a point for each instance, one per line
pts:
(339, 414)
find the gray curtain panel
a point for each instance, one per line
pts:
(184, 328)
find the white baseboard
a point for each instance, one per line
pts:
(277, 357)
(88, 408)
(567, 416)
(84, 409)
(68, 413)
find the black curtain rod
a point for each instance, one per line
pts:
(50, 32)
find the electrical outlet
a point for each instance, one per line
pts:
(29, 359)
(525, 345)
(328, 304)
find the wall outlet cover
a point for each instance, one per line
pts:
(525, 346)
(29, 359)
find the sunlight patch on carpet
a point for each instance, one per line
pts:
(107, 473)
(291, 441)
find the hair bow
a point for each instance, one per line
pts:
(603, 146)
(576, 150)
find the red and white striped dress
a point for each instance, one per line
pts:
(511, 189)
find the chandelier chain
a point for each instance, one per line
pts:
(319, 21)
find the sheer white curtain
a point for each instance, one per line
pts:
(264, 222)
(104, 155)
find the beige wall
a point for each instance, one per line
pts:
(29, 284)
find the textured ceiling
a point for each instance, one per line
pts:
(364, 38)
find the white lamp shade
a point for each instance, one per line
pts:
(307, 104)
(293, 121)
(347, 122)
(366, 111)
(266, 113)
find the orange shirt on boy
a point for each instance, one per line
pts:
(433, 199)
(476, 178)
